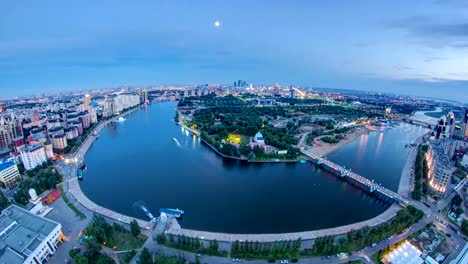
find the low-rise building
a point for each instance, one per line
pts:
(9, 174)
(26, 238)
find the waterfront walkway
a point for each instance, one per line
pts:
(405, 187)
(307, 235)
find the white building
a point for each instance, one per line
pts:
(9, 173)
(33, 156)
(464, 161)
(26, 238)
(125, 101)
(440, 167)
(445, 127)
(259, 138)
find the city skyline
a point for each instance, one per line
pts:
(416, 48)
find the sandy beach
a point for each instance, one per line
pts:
(322, 148)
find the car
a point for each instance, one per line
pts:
(271, 261)
(236, 260)
(199, 255)
(284, 261)
(447, 234)
(294, 260)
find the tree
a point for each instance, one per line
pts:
(464, 227)
(161, 239)
(135, 228)
(3, 202)
(145, 257)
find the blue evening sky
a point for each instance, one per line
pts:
(417, 47)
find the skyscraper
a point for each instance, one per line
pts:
(464, 121)
(145, 96)
(87, 100)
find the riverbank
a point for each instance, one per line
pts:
(405, 186)
(321, 148)
(306, 235)
(232, 157)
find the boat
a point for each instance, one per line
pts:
(149, 214)
(79, 173)
(174, 212)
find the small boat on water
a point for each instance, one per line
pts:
(79, 173)
(174, 212)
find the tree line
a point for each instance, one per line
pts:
(421, 171)
(258, 250)
(192, 244)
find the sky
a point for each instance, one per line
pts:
(412, 47)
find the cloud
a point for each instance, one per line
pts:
(434, 33)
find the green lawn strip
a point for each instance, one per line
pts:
(121, 241)
(65, 199)
(127, 257)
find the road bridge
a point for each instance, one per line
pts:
(356, 179)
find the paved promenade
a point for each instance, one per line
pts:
(307, 235)
(405, 187)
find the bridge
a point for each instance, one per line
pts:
(412, 120)
(357, 179)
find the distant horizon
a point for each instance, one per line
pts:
(364, 90)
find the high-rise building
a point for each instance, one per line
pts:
(10, 128)
(440, 169)
(87, 100)
(445, 127)
(145, 96)
(464, 121)
(33, 156)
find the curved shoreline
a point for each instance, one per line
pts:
(77, 193)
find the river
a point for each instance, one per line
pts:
(149, 160)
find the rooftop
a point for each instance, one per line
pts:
(21, 232)
(6, 164)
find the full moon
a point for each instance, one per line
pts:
(217, 24)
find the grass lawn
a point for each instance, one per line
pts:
(65, 199)
(126, 257)
(126, 241)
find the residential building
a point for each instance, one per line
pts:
(87, 100)
(59, 142)
(72, 133)
(125, 101)
(26, 238)
(49, 150)
(55, 131)
(33, 156)
(10, 128)
(440, 168)
(445, 127)
(9, 174)
(85, 120)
